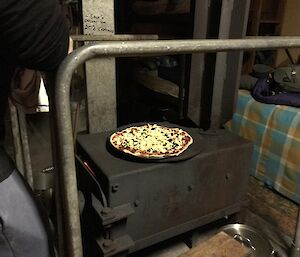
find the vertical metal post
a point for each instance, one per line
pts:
(61, 234)
(16, 138)
(68, 221)
(25, 148)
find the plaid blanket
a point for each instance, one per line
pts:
(275, 132)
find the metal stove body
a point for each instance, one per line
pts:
(146, 203)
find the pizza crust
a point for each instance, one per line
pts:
(151, 141)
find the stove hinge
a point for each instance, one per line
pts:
(117, 248)
(109, 216)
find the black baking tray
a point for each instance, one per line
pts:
(193, 150)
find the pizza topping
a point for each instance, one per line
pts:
(152, 140)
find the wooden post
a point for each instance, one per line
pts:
(221, 65)
(197, 62)
(238, 29)
(98, 19)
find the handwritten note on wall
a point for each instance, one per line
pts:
(96, 23)
(98, 17)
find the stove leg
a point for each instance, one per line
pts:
(239, 217)
(191, 240)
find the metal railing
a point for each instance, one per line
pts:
(67, 185)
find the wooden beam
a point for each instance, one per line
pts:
(98, 19)
(233, 24)
(221, 65)
(197, 63)
(238, 29)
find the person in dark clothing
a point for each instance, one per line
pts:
(34, 35)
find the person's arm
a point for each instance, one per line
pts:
(33, 33)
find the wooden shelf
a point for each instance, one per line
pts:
(265, 19)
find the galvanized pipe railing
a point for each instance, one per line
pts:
(65, 147)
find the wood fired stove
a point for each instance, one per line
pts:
(131, 205)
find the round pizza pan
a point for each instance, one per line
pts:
(193, 150)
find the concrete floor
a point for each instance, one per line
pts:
(177, 246)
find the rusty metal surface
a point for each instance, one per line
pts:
(65, 149)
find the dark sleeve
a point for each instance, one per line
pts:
(6, 165)
(6, 73)
(33, 33)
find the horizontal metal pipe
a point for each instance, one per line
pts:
(119, 49)
(165, 47)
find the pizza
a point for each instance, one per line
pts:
(151, 140)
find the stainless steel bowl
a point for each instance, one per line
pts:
(250, 237)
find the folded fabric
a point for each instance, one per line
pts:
(25, 85)
(268, 91)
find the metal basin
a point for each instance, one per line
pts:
(250, 237)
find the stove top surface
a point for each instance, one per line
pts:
(112, 165)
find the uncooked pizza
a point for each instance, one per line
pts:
(151, 140)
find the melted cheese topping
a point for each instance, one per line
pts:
(151, 139)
